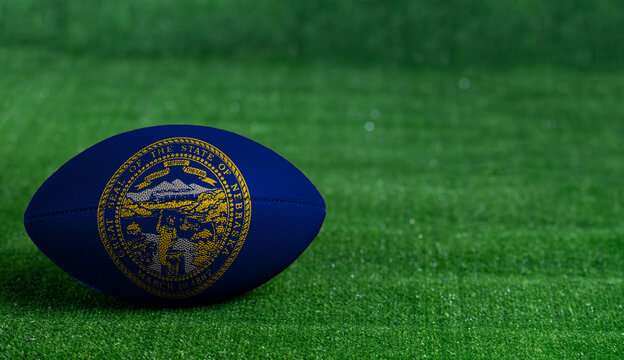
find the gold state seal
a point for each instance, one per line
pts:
(174, 216)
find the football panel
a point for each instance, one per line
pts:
(279, 232)
(79, 183)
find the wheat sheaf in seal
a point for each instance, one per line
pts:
(174, 216)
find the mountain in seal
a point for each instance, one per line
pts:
(176, 189)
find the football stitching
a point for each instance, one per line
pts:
(89, 208)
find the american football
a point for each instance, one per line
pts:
(175, 214)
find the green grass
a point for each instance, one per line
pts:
(449, 33)
(478, 222)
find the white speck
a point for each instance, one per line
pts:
(420, 236)
(464, 83)
(412, 221)
(333, 265)
(374, 114)
(352, 276)
(369, 126)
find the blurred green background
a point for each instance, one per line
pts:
(471, 155)
(458, 33)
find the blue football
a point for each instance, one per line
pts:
(175, 214)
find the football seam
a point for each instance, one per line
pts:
(89, 208)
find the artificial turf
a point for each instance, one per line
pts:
(472, 214)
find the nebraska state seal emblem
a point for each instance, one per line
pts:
(174, 216)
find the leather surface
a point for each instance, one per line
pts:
(287, 213)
